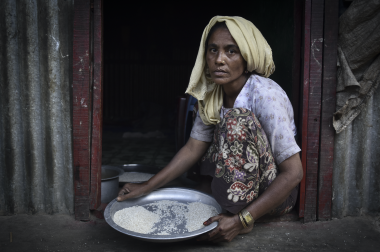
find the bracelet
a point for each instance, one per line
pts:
(247, 217)
(242, 220)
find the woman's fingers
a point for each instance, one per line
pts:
(123, 194)
(212, 219)
(132, 190)
(227, 229)
(123, 191)
(212, 233)
(205, 236)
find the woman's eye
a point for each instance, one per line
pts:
(212, 50)
(231, 51)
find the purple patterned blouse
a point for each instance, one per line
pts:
(269, 102)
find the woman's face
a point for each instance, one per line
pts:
(223, 58)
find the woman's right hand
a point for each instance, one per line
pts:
(132, 190)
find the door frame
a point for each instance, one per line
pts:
(320, 41)
(87, 105)
(314, 85)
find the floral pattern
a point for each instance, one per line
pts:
(234, 162)
(237, 148)
(240, 159)
(262, 118)
(238, 190)
(242, 167)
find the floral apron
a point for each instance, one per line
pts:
(241, 163)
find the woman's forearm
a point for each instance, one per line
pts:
(186, 157)
(289, 177)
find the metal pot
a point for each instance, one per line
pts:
(110, 182)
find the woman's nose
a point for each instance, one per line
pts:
(220, 58)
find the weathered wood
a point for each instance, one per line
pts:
(97, 106)
(305, 102)
(326, 154)
(314, 110)
(81, 108)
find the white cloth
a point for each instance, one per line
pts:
(269, 102)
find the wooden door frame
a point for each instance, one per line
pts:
(87, 105)
(320, 37)
(316, 71)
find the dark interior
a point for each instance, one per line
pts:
(149, 52)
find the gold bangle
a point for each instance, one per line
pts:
(242, 220)
(247, 217)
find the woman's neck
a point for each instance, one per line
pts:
(232, 90)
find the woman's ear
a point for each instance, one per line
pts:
(245, 68)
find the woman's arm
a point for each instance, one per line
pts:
(187, 156)
(290, 175)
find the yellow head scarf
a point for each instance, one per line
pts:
(254, 49)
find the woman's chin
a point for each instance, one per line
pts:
(221, 82)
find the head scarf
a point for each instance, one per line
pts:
(255, 51)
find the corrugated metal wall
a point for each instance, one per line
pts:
(356, 177)
(35, 106)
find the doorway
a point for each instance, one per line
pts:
(149, 53)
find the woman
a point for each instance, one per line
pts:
(229, 81)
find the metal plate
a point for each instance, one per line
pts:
(181, 195)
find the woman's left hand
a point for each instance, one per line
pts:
(229, 227)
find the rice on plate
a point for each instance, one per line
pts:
(164, 215)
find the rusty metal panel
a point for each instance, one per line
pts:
(36, 167)
(356, 187)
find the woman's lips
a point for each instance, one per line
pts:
(220, 73)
